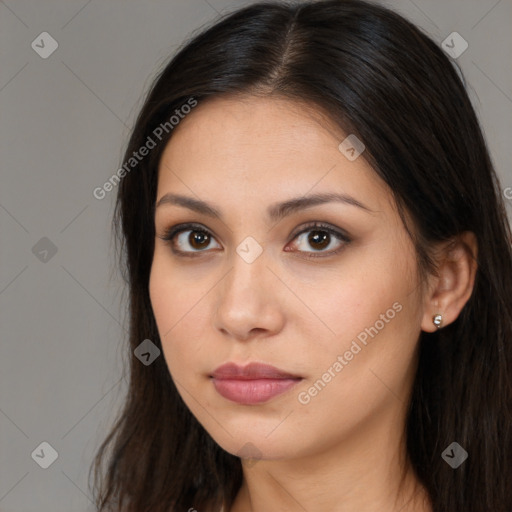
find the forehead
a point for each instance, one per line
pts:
(272, 123)
(263, 147)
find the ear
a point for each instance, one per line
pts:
(451, 288)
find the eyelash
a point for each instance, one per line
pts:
(170, 234)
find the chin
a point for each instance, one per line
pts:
(252, 445)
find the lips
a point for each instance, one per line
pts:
(252, 384)
(251, 371)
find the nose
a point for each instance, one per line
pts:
(250, 301)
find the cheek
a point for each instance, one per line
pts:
(374, 312)
(371, 309)
(176, 304)
(367, 285)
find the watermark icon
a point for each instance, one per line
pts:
(250, 453)
(44, 45)
(45, 455)
(44, 250)
(454, 45)
(144, 150)
(454, 455)
(508, 193)
(351, 147)
(147, 352)
(249, 249)
(304, 397)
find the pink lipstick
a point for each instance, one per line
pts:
(252, 384)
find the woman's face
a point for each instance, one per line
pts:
(340, 313)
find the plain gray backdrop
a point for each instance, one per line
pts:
(65, 120)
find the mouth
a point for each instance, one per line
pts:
(254, 383)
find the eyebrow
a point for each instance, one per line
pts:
(275, 212)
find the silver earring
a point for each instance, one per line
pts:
(437, 320)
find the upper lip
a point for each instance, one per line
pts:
(250, 372)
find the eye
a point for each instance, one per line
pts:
(198, 239)
(320, 236)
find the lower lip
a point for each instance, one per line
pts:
(252, 391)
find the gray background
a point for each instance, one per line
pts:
(64, 124)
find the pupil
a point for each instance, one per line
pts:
(319, 238)
(197, 239)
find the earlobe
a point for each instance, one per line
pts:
(453, 284)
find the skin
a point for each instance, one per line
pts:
(344, 449)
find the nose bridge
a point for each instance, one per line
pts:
(248, 269)
(247, 297)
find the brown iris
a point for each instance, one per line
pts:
(200, 238)
(318, 239)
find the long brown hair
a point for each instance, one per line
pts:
(381, 78)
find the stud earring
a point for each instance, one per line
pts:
(437, 320)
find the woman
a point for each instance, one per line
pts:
(315, 241)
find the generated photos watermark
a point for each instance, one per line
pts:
(137, 156)
(304, 397)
